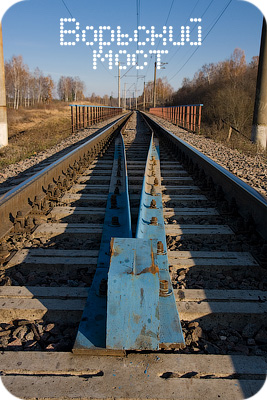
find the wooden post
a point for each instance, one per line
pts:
(229, 134)
(76, 120)
(183, 116)
(195, 115)
(83, 117)
(79, 119)
(72, 120)
(199, 118)
(187, 117)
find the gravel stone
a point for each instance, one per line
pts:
(251, 169)
(240, 348)
(249, 330)
(20, 332)
(261, 336)
(15, 344)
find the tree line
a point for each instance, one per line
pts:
(25, 88)
(227, 90)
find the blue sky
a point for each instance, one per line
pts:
(32, 28)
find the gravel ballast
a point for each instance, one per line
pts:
(252, 170)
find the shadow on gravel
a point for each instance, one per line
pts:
(58, 291)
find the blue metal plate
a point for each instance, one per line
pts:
(133, 296)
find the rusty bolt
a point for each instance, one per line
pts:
(115, 221)
(69, 172)
(156, 181)
(160, 248)
(153, 204)
(37, 203)
(164, 290)
(154, 221)
(19, 222)
(153, 191)
(45, 205)
(29, 224)
(57, 192)
(50, 189)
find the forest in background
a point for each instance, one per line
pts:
(226, 89)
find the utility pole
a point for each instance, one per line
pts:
(154, 89)
(125, 95)
(135, 97)
(144, 105)
(3, 111)
(119, 85)
(259, 127)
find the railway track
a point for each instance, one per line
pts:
(217, 266)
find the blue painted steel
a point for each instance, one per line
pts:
(92, 329)
(133, 296)
(171, 334)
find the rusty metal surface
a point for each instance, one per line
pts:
(249, 201)
(20, 197)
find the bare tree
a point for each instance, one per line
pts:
(25, 88)
(226, 89)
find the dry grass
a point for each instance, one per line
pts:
(237, 141)
(33, 130)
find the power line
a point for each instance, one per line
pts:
(194, 26)
(221, 14)
(138, 4)
(191, 31)
(169, 13)
(193, 9)
(158, 42)
(67, 8)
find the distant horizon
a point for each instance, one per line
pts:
(32, 29)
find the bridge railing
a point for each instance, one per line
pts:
(83, 116)
(186, 116)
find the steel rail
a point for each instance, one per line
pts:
(248, 200)
(21, 197)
